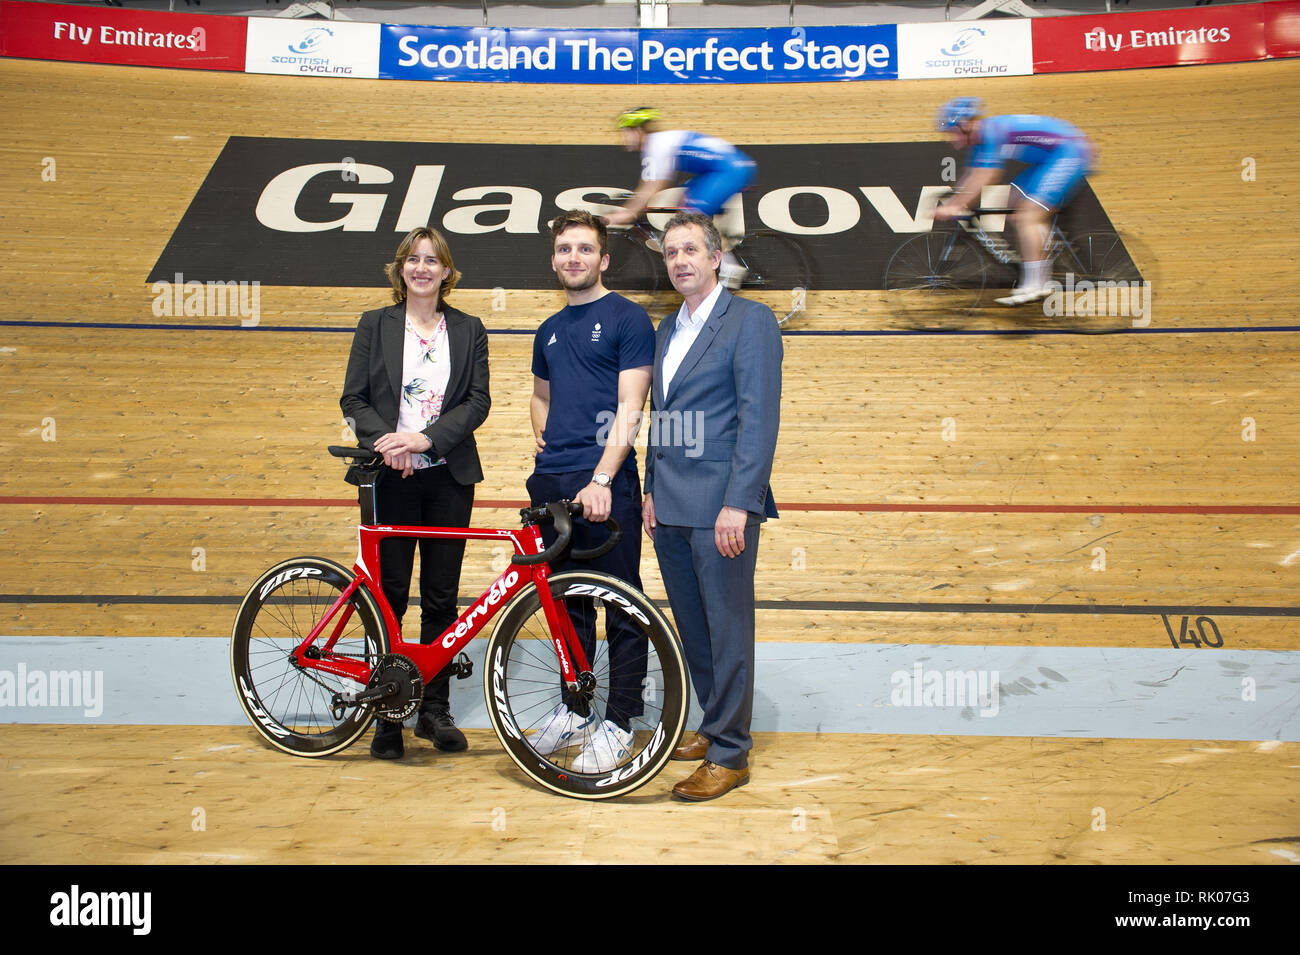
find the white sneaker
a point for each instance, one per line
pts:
(562, 729)
(608, 749)
(1023, 295)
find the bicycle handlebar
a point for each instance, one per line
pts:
(561, 513)
(363, 458)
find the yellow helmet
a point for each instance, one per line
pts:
(629, 119)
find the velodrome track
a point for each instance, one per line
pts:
(154, 472)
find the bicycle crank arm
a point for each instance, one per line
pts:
(341, 702)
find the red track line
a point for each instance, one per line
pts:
(1205, 509)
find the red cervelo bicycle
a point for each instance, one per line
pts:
(317, 654)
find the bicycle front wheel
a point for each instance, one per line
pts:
(288, 705)
(936, 279)
(639, 680)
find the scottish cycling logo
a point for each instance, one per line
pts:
(310, 40)
(964, 40)
(959, 58)
(310, 53)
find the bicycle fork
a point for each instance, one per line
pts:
(575, 670)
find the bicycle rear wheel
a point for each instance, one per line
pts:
(288, 705)
(777, 263)
(936, 279)
(632, 267)
(640, 674)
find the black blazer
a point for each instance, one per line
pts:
(372, 387)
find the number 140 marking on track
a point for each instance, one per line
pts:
(1187, 638)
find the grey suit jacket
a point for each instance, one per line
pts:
(372, 387)
(713, 436)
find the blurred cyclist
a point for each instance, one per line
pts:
(1059, 156)
(716, 169)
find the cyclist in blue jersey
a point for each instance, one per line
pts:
(1058, 154)
(716, 169)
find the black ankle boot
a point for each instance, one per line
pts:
(387, 743)
(434, 722)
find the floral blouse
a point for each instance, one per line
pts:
(426, 369)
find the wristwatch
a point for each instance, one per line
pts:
(602, 479)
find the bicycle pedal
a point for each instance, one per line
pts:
(464, 667)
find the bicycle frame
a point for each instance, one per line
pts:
(431, 658)
(1003, 251)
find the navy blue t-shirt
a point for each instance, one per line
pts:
(580, 351)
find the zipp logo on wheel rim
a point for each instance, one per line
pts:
(286, 575)
(250, 699)
(600, 593)
(634, 767)
(498, 692)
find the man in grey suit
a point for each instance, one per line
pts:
(715, 407)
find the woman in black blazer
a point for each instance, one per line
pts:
(415, 390)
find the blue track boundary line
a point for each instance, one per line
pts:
(788, 332)
(850, 606)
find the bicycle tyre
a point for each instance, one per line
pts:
(1099, 257)
(288, 706)
(632, 267)
(777, 263)
(521, 681)
(941, 276)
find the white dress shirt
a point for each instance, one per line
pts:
(685, 331)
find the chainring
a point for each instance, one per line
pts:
(405, 699)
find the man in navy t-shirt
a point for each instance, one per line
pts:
(591, 374)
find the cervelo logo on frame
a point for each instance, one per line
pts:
(500, 587)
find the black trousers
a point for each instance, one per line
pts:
(430, 497)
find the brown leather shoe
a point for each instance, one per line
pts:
(697, 747)
(710, 781)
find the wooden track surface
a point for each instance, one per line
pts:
(1053, 421)
(208, 795)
